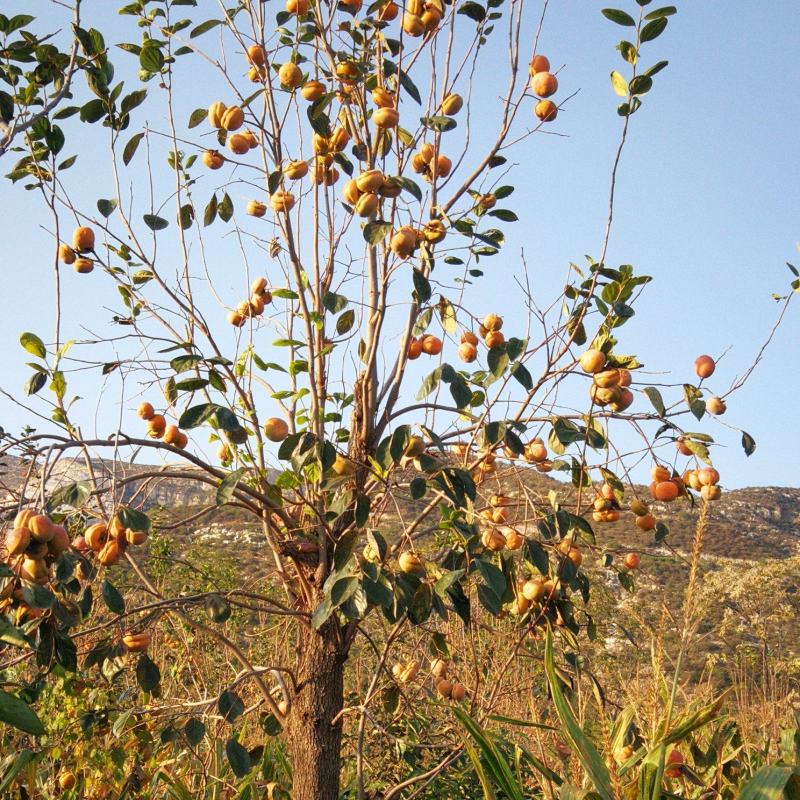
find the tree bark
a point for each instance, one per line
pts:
(313, 739)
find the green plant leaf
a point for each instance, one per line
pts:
(584, 748)
(773, 783)
(33, 344)
(618, 16)
(20, 715)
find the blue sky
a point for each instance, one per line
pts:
(708, 200)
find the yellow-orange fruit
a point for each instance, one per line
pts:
(403, 241)
(624, 376)
(369, 181)
(414, 349)
(276, 429)
(710, 492)
(452, 104)
(544, 84)
(606, 378)
(281, 202)
(17, 541)
(135, 537)
(438, 668)
(459, 692)
(290, 75)
(413, 25)
(41, 528)
(347, 71)
(66, 255)
(675, 762)
(535, 451)
(83, 266)
(351, 192)
(494, 339)
(215, 112)
(338, 139)
(434, 231)
(238, 143)
(66, 780)
(430, 19)
(367, 205)
(145, 411)
(110, 553)
(492, 322)
(232, 119)
(386, 117)
(493, 540)
(418, 163)
(659, 473)
(256, 55)
(467, 352)
(704, 366)
(632, 561)
(171, 434)
(296, 169)
(442, 166)
(545, 110)
(444, 687)
(156, 426)
(23, 518)
(592, 361)
(431, 345)
(708, 476)
(136, 642)
(514, 539)
(469, 337)
(213, 159)
(313, 90)
(256, 209)
(382, 97)
(388, 12)
(298, 7)
(534, 589)
(666, 491)
(236, 319)
(639, 508)
(96, 535)
(716, 406)
(34, 570)
(539, 63)
(646, 522)
(83, 239)
(252, 139)
(411, 563)
(258, 286)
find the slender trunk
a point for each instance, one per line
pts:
(314, 742)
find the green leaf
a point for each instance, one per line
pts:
(474, 11)
(619, 84)
(653, 29)
(654, 396)
(641, 84)
(584, 748)
(227, 485)
(410, 87)
(238, 758)
(439, 123)
(204, 27)
(23, 758)
(748, 443)
(196, 415)
(135, 520)
(112, 598)
(620, 17)
(155, 223)
(666, 11)
(773, 783)
(421, 286)
(20, 715)
(197, 116)
(151, 58)
(345, 322)
(33, 344)
(12, 635)
(35, 383)
(375, 232)
(194, 730)
(106, 207)
(230, 706)
(148, 675)
(130, 148)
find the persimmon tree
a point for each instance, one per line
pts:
(264, 348)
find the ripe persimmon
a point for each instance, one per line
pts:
(431, 345)
(544, 84)
(276, 429)
(539, 63)
(592, 360)
(704, 366)
(545, 110)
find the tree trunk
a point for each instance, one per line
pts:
(314, 742)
